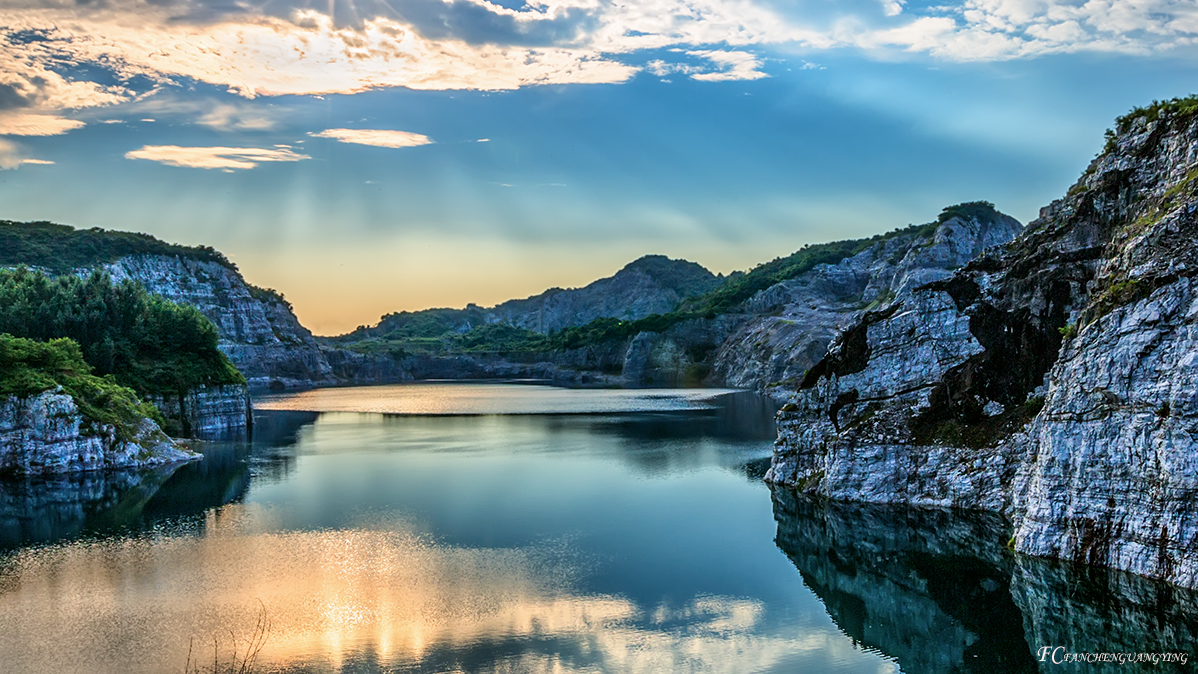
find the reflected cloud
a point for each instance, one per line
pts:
(335, 597)
(375, 137)
(214, 157)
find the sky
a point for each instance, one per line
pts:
(371, 156)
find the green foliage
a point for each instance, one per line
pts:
(61, 248)
(268, 295)
(1177, 109)
(499, 338)
(1118, 294)
(1069, 331)
(149, 344)
(28, 367)
(982, 211)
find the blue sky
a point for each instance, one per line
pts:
(378, 156)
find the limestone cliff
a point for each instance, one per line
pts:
(788, 326)
(258, 330)
(1052, 379)
(47, 433)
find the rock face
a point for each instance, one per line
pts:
(1053, 379)
(258, 330)
(210, 413)
(46, 433)
(790, 325)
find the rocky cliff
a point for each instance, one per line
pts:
(1052, 379)
(258, 330)
(47, 433)
(209, 413)
(789, 326)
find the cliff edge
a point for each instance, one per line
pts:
(1053, 379)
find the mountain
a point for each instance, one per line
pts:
(257, 328)
(1052, 379)
(653, 284)
(668, 322)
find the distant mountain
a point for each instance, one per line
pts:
(653, 284)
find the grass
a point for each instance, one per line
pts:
(243, 656)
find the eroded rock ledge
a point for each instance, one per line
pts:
(46, 433)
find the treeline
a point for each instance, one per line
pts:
(61, 248)
(147, 343)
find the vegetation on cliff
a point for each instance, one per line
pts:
(147, 343)
(440, 331)
(29, 367)
(62, 248)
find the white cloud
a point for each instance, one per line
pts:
(226, 117)
(737, 65)
(214, 157)
(255, 55)
(893, 7)
(35, 124)
(11, 156)
(375, 137)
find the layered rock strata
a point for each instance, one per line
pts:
(46, 433)
(209, 413)
(1053, 379)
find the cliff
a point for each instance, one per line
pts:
(48, 433)
(1052, 379)
(790, 324)
(258, 331)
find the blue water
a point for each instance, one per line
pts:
(509, 528)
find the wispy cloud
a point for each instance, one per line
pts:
(35, 124)
(11, 156)
(736, 65)
(375, 137)
(214, 157)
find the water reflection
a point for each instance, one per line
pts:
(625, 542)
(43, 509)
(939, 591)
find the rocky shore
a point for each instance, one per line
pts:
(1053, 379)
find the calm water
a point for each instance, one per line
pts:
(494, 528)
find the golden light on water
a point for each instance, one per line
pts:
(134, 605)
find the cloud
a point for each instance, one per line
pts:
(48, 48)
(224, 117)
(35, 124)
(737, 65)
(375, 137)
(11, 156)
(214, 157)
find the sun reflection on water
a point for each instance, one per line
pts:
(335, 595)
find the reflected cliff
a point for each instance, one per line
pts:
(939, 591)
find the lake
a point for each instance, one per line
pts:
(442, 527)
